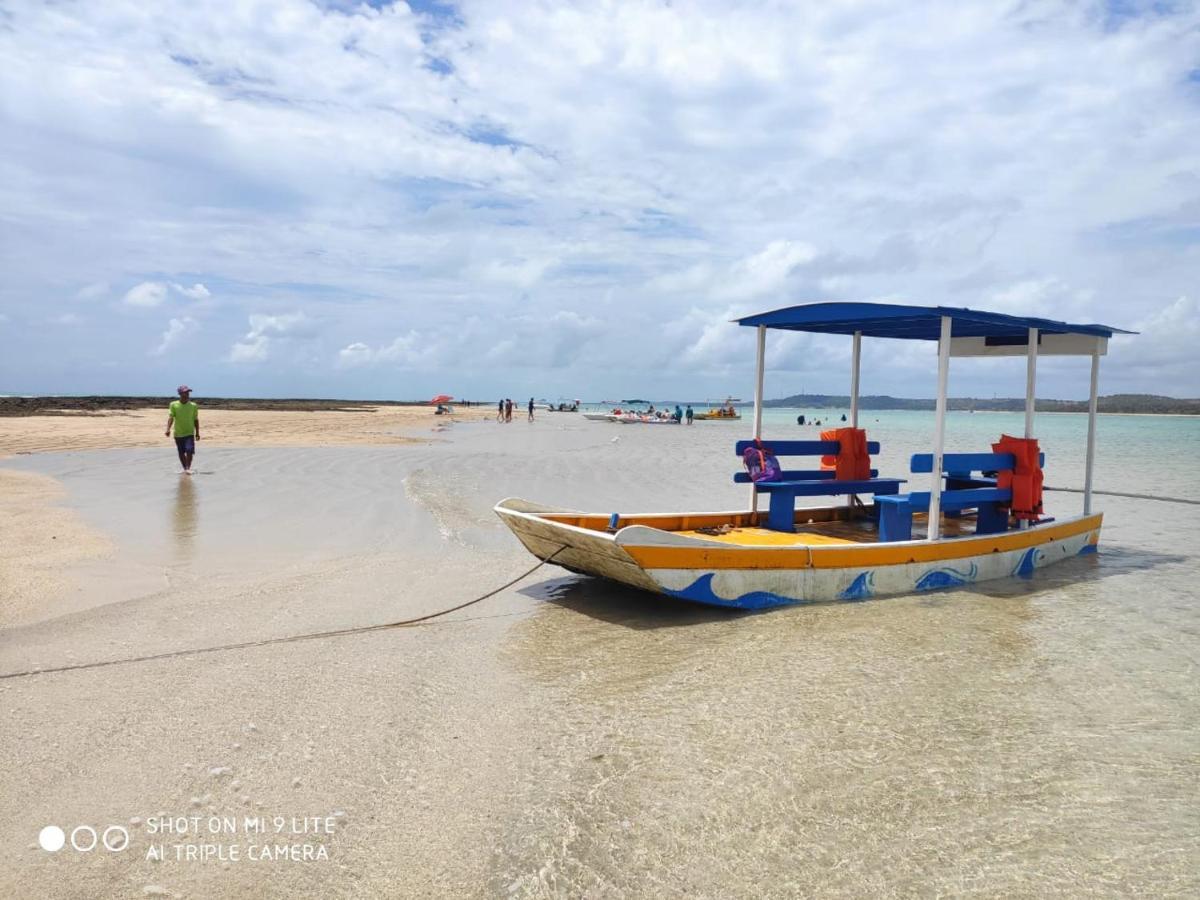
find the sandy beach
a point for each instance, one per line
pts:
(566, 737)
(109, 429)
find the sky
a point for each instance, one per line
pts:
(390, 200)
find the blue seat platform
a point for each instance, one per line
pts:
(964, 491)
(808, 482)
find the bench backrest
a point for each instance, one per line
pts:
(800, 448)
(968, 462)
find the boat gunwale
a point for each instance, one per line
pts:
(675, 552)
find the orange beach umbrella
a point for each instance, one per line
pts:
(441, 398)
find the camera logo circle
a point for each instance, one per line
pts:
(84, 838)
(51, 838)
(86, 829)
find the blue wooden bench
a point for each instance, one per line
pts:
(793, 483)
(964, 491)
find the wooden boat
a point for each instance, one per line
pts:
(981, 519)
(721, 412)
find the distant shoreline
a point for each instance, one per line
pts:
(59, 405)
(1117, 404)
(1057, 412)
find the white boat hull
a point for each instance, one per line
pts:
(756, 576)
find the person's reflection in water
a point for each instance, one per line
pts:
(183, 520)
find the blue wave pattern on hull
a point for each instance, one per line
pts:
(860, 588)
(701, 591)
(1028, 563)
(1087, 548)
(944, 578)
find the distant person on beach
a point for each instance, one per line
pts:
(690, 414)
(185, 416)
(500, 411)
(530, 409)
(508, 409)
(678, 414)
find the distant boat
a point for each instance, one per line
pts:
(721, 411)
(636, 418)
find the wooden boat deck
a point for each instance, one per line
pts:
(815, 526)
(829, 533)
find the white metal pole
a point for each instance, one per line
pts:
(939, 436)
(1030, 379)
(854, 367)
(758, 402)
(855, 357)
(1030, 392)
(1091, 436)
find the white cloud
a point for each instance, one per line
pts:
(92, 291)
(150, 293)
(250, 349)
(356, 354)
(633, 164)
(175, 330)
(195, 292)
(1168, 337)
(146, 294)
(265, 331)
(407, 351)
(766, 272)
(519, 273)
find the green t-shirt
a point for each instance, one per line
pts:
(184, 415)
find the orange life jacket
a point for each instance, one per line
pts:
(1025, 479)
(852, 463)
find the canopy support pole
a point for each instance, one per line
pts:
(939, 436)
(855, 359)
(1091, 435)
(854, 368)
(758, 405)
(1030, 390)
(1030, 380)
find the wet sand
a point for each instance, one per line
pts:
(569, 737)
(108, 429)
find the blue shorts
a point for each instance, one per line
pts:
(186, 444)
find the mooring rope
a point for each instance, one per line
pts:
(289, 639)
(1132, 496)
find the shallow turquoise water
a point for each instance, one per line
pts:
(1019, 738)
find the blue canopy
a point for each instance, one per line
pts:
(918, 323)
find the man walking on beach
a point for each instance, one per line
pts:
(690, 415)
(530, 409)
(185, 415)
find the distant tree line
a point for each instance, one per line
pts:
(1112, 403)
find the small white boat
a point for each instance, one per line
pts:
(643, 419)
